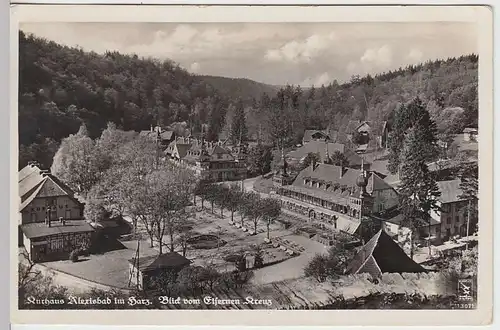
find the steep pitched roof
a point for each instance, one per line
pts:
(450, 191)
(166, 260)
(26, 171)
(29, 183)
(376, 183)
(308, 134)
(382, 255)
(376, 127)
(43, 185)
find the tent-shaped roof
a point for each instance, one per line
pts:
(382, 255)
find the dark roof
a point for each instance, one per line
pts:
(382, 255)
(308, 134)
(450, 191)
(41, 229)
(166, 260)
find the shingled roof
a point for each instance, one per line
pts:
(382, 255)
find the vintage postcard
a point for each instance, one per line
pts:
(252, 165)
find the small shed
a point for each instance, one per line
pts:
(144, 269)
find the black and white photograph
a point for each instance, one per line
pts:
(249, 165)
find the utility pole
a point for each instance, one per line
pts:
(468, 224)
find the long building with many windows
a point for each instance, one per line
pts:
(335, 197)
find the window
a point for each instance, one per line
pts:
(457, 218)
(448, 220)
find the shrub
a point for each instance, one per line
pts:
(73, 256)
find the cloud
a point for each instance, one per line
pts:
(302, 51)
(194, 67)
(377, 57)
(415, 55)
(322, 79)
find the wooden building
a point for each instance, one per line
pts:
(144, 269)
(47, 241)
(50, 220)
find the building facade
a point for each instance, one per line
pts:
(50, 221)
(40, 191)
(337, 198)
(451, 220)
(211, 161)
(55, 240)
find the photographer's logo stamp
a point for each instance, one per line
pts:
(465, 289)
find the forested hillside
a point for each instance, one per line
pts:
(61, 87)
(246, 89)
(448, 88)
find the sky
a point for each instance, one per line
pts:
(275, 53)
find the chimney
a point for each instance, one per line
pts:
(44, 173)
(342, 169)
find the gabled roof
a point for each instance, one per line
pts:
(470, 130)
(382, 255)
(376, 183)
(450, 191)
(166, 260)
(29, 183)
(376, 127)
(308, 134)
(40, 185)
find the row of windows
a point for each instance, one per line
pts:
(33, 209)
(327, 186)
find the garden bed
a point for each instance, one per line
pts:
(206, 242)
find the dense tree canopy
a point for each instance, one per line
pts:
(61, 88)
